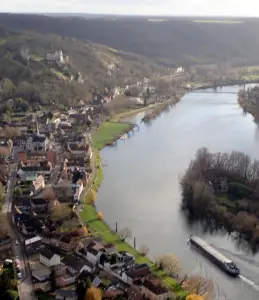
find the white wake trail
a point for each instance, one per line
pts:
(250, 282)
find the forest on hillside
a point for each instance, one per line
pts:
(35, 83)
(167, 41)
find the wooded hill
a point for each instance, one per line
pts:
(36, 83)
(168, 41)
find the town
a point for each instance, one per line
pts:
(48, 161)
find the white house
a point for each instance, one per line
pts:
(56, 56)
(154, 291)
(48, 258)
(93, 255)
(39, 183)
(180, 70)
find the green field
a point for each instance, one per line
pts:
(218, 21)
(107, 132)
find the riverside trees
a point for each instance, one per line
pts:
(226, 187)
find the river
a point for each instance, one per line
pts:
(141, 184)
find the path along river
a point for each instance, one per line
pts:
(141, 184)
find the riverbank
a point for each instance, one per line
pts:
(158, 110)
(247, 102)
(110, 131)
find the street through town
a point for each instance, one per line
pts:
(25, 287)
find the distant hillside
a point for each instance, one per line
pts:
(168, 41)
(36, 83)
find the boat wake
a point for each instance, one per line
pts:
(240, 256)
(250, 282)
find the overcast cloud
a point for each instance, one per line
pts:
(149, 7)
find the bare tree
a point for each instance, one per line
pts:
(49, 194)
(11, 131)
(144, 250)
(169, 263)
(125, 233)
(4, 151)
(198, 285)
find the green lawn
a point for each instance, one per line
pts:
(99, 170)
(107, 132)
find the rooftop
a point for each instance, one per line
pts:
(47, 253)
(76, 263)
(138, 273)
(156, 289)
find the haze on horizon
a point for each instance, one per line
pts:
(249, 8)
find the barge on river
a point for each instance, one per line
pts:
(220, 260)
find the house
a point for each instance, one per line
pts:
(33, 171)
(135, 275)
(76, 148)
(39, 183)
(27, 227)
(154, 291)
(51, 240)
(66, 295)
(22, 127)
(73, 163)
(56, 56)
(37, 142)
(77, 265)
(39, 156)
(85, 242)
(77, 118)
(93, 255)
(68, 243)
(39, 204)
(126, 258)
(64, 191)
(134, 293)
(48, 258)
(33, 245)
(23, 203)
(20, 142)
(64, 276)
(39, 271)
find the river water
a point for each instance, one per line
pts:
(141, 184)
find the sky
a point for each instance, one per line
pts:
(136, 7)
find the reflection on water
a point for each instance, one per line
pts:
(209, 226)
(141, 184)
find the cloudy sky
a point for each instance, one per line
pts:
(134, 7)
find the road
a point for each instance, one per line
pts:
(25, 287)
